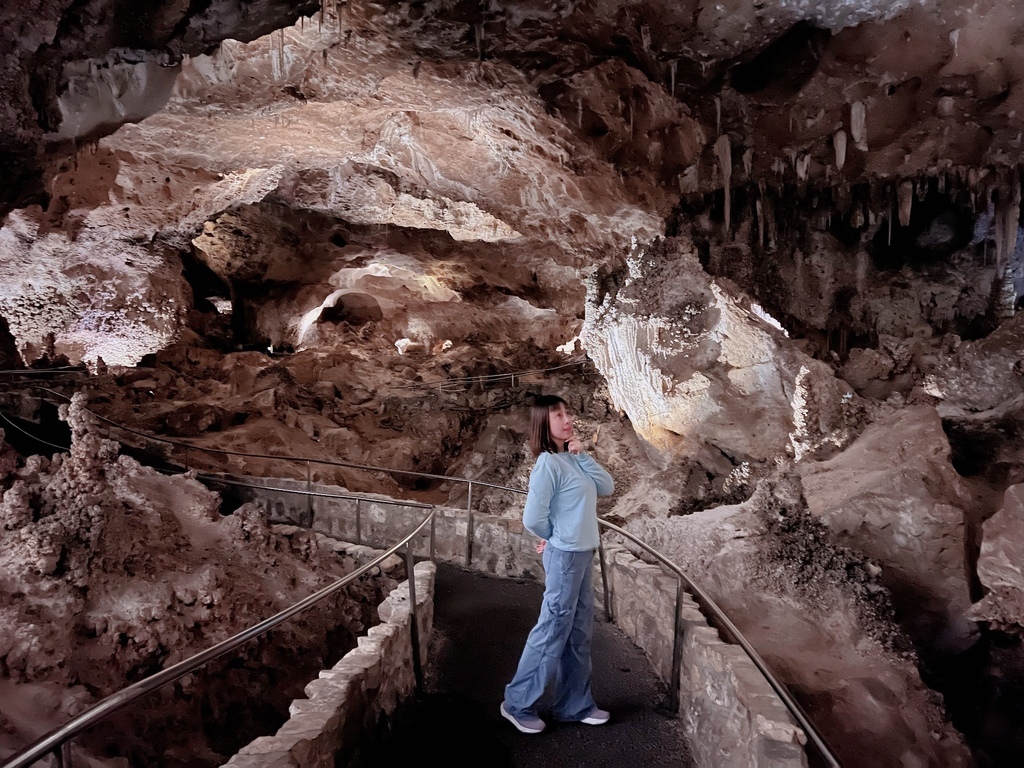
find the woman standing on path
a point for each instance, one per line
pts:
(561, 508)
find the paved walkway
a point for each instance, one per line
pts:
(480, 625)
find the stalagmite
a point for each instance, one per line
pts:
(723, 151)
(839, 142)
(858, 125)
(906, 201)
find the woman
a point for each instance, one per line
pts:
(561, 508)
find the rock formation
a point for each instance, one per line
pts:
(111, 570)
(737, 235)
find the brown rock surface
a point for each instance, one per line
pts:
(893, 495)
(818, 615)
(1001, 566)
(111, 571)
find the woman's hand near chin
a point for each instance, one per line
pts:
(574, 445)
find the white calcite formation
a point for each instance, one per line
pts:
(691, 363)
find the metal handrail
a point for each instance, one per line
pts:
(707, 603)
(57, 738)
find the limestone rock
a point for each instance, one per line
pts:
(816, 613)
(692, 362)
(1001, 566)
(982, 374)
(894, 496)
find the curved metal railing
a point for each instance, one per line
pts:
(57, 741)
(717, 615)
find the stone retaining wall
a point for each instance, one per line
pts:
(734, 719)
(500, 545)
(369, 682)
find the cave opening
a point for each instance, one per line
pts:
(939, 226)
(782, 68)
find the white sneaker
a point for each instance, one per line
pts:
(529, 724)
(596, 717)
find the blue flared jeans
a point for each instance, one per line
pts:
(558, 647)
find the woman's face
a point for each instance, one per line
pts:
(560, 423)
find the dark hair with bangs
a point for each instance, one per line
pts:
(540, 430)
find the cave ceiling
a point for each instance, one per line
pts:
(478, 160)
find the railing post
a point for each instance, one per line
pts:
(677, 651)
(433, 535)
(309, 490)
(62, 755)
(604, 579)
(359, 523)
(410, 572)
(469, 527)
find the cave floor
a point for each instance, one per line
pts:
(480, 626)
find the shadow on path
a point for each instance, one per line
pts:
(480, 625)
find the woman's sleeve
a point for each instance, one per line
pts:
(600, 476)
(537, 512)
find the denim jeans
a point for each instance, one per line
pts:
(558, 647)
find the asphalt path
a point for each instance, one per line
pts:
(480, 625)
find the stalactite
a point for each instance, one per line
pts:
(718, 115)
(672, 66)
(839, 142)
(689, 180)
(858, 125)
(645, 37)
(579, 111)
(803, 163)
(723, 151)
(905, 193)
(759, 212)
(479, 31)
(748, 162)
(1007, 217)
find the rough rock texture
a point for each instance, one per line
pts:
(692, 364)
(1000, 566)
(333, 240)
(111, 571)
(980, 391)
(74, 70)
(893, 495)
(819, 616)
